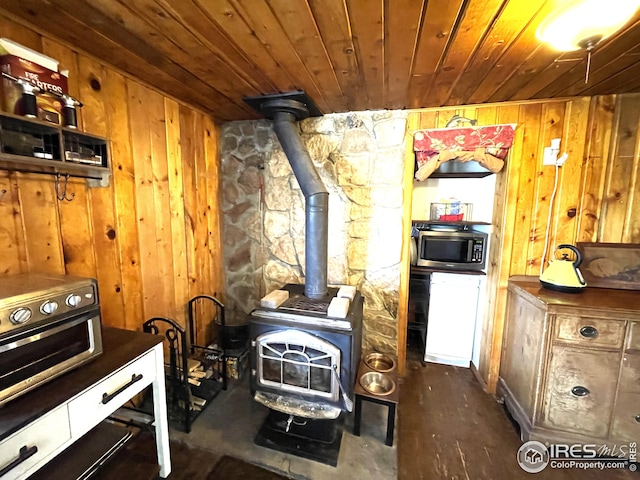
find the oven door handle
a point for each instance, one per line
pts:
(107, 397)
(24, 454)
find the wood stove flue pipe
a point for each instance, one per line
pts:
(315, 194)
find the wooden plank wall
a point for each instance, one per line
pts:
(598, 192)
(152, 238)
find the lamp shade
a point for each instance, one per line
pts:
(583, 23)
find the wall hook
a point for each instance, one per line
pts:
(3, 192)
(456, 120)
(63, 195)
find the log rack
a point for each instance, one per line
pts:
(195, 374)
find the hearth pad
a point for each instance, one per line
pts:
(317, 440)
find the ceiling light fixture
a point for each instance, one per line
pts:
(582, 24)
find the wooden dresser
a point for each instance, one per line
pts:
(570, 369)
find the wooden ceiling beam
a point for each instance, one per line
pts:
(595, 77)
(262, 22)
(434, 36)
(573, 64)
(195, 17)
(508, 73)
(159, 72)
(121, 17)
(115, 30)
(515, 16)
(545, 66)
(632, 85)
(367, 24)
(332, 22)
(623, 81)
(239, 40)
(202, 62)
(469, 34)
(402, 20)
(347, 55)
(297, 22)
(546, 70)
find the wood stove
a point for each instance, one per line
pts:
(303, 367)
(303, 360)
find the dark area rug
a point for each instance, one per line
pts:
(137, 460)
(230, 468)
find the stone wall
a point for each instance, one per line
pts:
(360, 157)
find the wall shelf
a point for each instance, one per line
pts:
(34, 146)
(423, 224)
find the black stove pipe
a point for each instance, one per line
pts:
(285, 109)
(315, 194)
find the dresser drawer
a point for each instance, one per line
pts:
(101, 400)
(626, 419)
(633, 343)
(586, 331)
(580, 390)
(46, 434)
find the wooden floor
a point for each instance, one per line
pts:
(448, 428)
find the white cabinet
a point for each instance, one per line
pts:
(101, 400)
(453, 307)
(35, 444)
(44, 422)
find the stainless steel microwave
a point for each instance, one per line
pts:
(452, 250)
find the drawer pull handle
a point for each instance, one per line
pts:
(589, 332)
(24, 453)
(580, 391)
(107, 397)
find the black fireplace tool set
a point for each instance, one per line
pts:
(195, 374)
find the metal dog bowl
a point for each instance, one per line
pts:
(377, 383)
(379, 362)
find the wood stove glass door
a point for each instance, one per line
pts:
(297, 362)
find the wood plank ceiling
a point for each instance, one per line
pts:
(348, 55)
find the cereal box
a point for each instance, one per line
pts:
(35, 69)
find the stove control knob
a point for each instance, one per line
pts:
(20, 315)
(49, 307)
(73, 300)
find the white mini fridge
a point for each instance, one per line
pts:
(451, 323)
